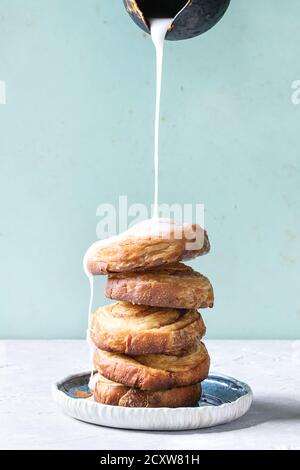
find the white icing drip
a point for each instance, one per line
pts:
(92, 382)
(159, 28)
(92, 347)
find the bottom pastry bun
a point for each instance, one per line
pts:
(108, 392)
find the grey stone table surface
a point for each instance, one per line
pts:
(30, 420)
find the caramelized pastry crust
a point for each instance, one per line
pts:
(154, 371)
(136, 329)
(175, 285)
(147, 245)
(112, 393)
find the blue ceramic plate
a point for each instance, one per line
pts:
(224, 399)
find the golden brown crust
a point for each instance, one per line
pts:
(136, 329)
(154, 371)
(112, 393)
(175, 285)
(162, 243)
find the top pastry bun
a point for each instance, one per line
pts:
(151, 243)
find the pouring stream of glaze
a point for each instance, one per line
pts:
(159, 28)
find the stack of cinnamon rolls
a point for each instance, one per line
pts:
(149, 349)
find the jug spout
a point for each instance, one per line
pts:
(190, 17)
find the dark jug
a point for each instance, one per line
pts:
(190, 17)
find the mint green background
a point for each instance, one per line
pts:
(77, 131)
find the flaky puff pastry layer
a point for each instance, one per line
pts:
(175, 285)
(154, 371)
(147, 245)
(137, 329)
